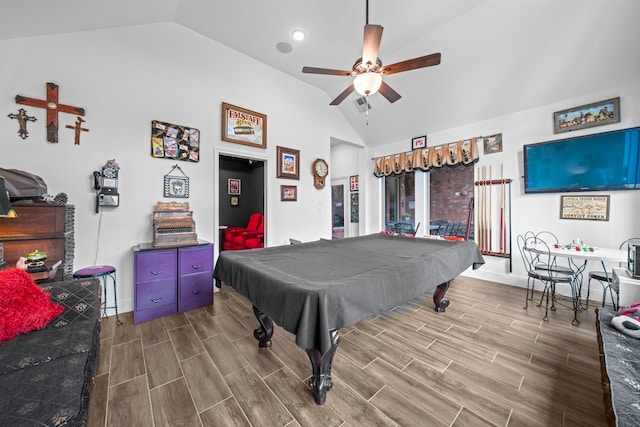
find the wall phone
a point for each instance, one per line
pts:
(105, 183)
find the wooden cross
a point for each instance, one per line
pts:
(78, 127)
(22, 119)
(52, 106)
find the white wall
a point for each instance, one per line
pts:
(127, 77)
(541, 211)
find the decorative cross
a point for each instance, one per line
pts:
(78, 127)
(52, 106)
(22, 119)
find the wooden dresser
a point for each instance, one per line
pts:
(47, 227)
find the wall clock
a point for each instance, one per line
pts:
(320, 170)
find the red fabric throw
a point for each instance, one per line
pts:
(24, 306)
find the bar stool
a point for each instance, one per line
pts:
(102, 272)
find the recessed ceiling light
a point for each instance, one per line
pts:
(298, 35)
(284, 47)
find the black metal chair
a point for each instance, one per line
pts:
(605, 279)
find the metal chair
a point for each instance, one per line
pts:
(604, 277)
(550, 239)
(539, 264)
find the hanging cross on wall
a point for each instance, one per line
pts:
(23, 118)
(78, 128)
(52, 106)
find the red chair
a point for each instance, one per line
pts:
(255, 222)
(250, 239)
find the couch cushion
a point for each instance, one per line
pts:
(23, 305)
(51, 394)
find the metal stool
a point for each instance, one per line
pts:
(102, 272)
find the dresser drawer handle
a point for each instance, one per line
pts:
(195, 292)
(195, 267)
(155, 273)
(157, 300)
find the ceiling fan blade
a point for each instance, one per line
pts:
(412, 64)
(371, 44)
(343, 95)
(386, 91)
(314, 70)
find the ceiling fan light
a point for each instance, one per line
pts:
(367, 83)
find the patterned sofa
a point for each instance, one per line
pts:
(45, 375)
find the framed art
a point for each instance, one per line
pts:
(354, 183)
(288, 193)
(235, 201)
(419, 142)
(176, 142)
(176, 186)
(288, 163)
(243, 126)
(585, 207)
(233, 186)
(586, 116)
(492, 143)
(355, 205)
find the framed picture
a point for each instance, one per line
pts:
(355, 205)
(175, 142)
(288, 163)
(233, 186)
(493, 144)
(288, 193)
(176, 186)
(419, 142)
(585, 207)
(586, 116)
(243, 126)
(354, 183)
(235, 201)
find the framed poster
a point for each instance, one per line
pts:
(175, 142)
(235, 201)
(288, 163)
(419, 142)
(492, 144)
(243, 126)
(355, 207)
(354, 183)
(586, 116)
(585, 207)
(233, 186)
(288, 193)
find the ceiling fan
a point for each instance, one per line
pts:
(369, 70)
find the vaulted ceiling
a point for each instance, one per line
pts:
(498, 56)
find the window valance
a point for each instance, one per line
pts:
(461, 152)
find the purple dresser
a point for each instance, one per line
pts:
(171, 280)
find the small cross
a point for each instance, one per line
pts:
(22, 119)
(52, 106)
(78, 128)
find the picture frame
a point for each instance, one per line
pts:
(585, 116)
(355, 207)
(354, 183)
(242, 126)
(419, 142)
(176, 186)
(588, 207)
(288, 193)
(234, 201)
(492, 143)
(233, 186)
(288, 163)
(175, 142)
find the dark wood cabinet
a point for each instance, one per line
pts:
(47, 227)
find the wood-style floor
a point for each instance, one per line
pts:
(485, 362)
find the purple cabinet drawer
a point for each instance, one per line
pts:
(196, 290)
(155, 294)
(195, 259)
(155, 265)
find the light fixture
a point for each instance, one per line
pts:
(5, 204)
(367, 83)
(298, 35)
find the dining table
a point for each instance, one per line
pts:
(578, 256)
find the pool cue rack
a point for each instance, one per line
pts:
(494, 215)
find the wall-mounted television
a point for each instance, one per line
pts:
(598, 162)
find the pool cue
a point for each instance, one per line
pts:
(481, 208)
(490, 209)
(502, 224)
(484, 208)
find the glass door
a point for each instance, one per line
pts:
(337, 211)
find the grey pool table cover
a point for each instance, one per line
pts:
(311, 288)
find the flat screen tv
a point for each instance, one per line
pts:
(598, 162)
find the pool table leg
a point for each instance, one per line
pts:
(320, 381)
(264, 333)
(438, 297)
